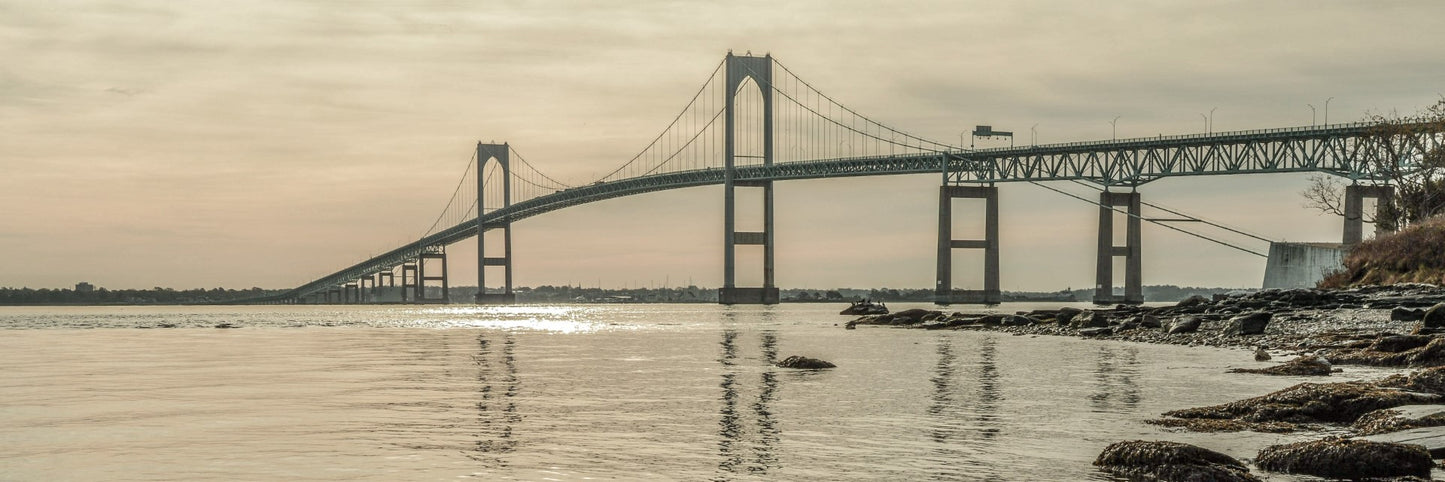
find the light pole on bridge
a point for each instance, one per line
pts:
(1327, 110)
(1312, 114)
(1115, 124)
(1034, 135)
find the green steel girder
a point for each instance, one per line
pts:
(1349, 150)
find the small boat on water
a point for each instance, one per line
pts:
(865, 307)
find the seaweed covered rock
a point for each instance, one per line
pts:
(1305, 403)
(1346, 459)
(1308, 365)
(804, 363)
(1400, 418)
(1430, 380)
(1170, 461)
(1430, 355)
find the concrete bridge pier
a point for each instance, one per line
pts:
(352, 295)
(421, 276)
(500, 152)
(944, 293)
(1355, 210)
(409, 282)
(1133, 286)
(365, 293)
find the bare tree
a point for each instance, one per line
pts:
(1406, 151)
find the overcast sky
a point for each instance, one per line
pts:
(268, 143)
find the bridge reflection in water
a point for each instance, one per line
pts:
(734, 436)
(497, 401)
(965, 413)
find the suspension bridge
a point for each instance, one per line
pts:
(755, 122)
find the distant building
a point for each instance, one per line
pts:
(83, 287)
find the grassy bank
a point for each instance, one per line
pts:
(1413, 255)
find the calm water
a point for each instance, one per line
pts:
(577, 392)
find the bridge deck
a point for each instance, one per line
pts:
(1349, 150)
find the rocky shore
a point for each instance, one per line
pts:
(1396, 425)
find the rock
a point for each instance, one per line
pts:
(1194, 300)
(908, 317)
(1399, 343)
(1261, 354)
(1432, 354)
(227, 325)
(1432, 438)
(1185, 324)
(804, 363)
(1400, 418)
(1308, 365)
(1170, 461)
(1401, 313)
(1099, 331)
(1305, 403)
(1346, 459)
(1149, 321)
(865, 307)
(1016, 320)
(1089, 319)
(1434, 317)
(1066, 314)
(1250, 324)
(1429, 380)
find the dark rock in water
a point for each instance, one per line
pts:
(227, 325)
(1066, 314)
(1170, 461)
(1186, 324)
(1251, 324)
(1099, 331)
(1346, 459)
(1089, 319)
(912, 316)
(1308, 365)
(1261, 354)
(1400, 418)
(1434, 317)
(1401, 313)
(865, 307)
(804, 363)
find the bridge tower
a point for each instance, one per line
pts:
(1131, 250)
(760, 70)
(486, 153)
